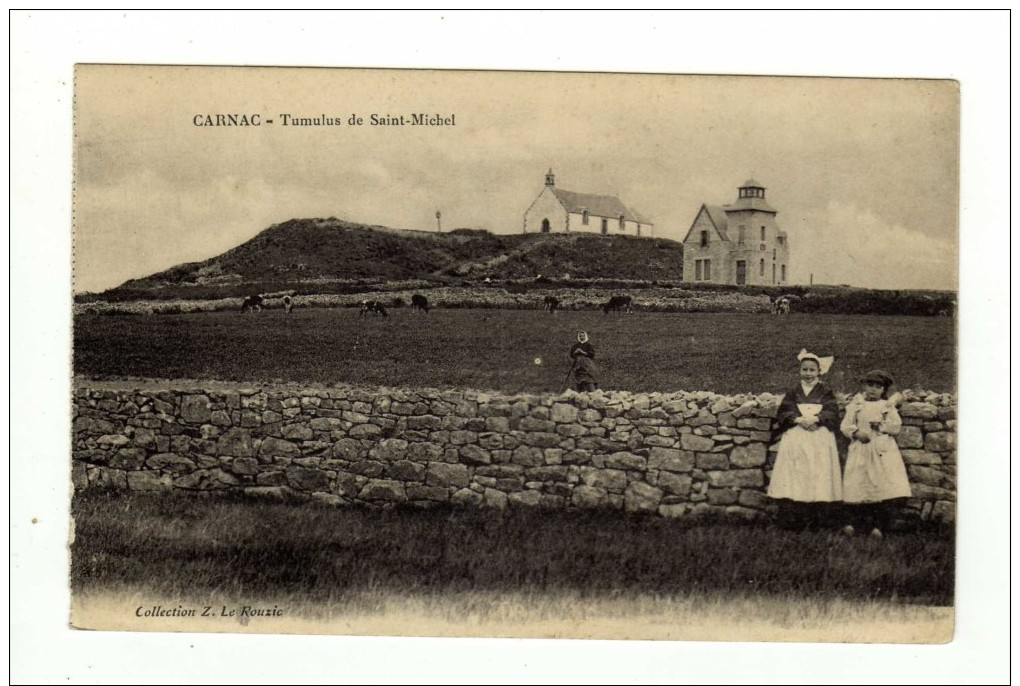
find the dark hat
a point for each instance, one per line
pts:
(879, 377)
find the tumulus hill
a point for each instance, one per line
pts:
(328, 255)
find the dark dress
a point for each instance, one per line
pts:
(806, 473)
(583, 357)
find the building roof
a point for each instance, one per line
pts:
(597, 205)
(718, 216)
(751, 183)
(751, 204)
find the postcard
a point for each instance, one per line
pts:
(499, 354)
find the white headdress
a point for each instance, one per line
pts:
(823, 362)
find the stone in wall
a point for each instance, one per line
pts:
(641, 497)
(745, 456)
(445, 474)
(384, 489)
(206, 480)
(940, 441)
(236, 442)
(277, 450)
(742, 478)
(682, 454)
(172, 462)
(196, 409)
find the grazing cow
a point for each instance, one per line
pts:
(781, 304)
(288, 303)
(619, 303)
(420, 303)
(551, 303)
(373, 306)
(253, 303)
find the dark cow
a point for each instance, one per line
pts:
(253, 303)
(551, 303)
(373, 306)
(420, 303)
(623, 303)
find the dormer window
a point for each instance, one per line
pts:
(704, 239)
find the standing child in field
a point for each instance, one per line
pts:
(582, 355)
(806, 479)
(875, 481)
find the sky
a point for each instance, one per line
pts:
(864, 172)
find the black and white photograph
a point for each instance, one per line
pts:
(432, 351)
(457, 353)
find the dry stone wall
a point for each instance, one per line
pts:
(674, 455)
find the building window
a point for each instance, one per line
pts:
(708, 270)
(763, 234)
(605, 226)
(773, 253)
(782, 273)
(704, 239)
(639, 229)
(761, 269)
(742, 237)
(584, 217)
(697, 270)
(623, 224)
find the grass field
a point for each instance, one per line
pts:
(470, 567)
(515, 351)
(181, 543)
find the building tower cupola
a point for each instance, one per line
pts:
(752, 189)
(550, 178)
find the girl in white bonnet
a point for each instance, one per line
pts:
(806, 479)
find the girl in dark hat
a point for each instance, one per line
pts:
(875, 479)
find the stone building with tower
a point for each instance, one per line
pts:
(560, 211)
(738, 243)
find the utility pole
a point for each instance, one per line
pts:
(439, 221)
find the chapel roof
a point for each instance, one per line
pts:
(597, 205)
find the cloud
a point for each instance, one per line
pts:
(848, 244)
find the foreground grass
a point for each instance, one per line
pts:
(498, 349)
(357, 560)
(530, 614)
